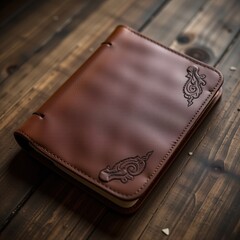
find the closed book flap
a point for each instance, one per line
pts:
(119, 121)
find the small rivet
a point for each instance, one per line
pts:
(40, 115)
(109, 44)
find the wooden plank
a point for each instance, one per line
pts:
(52, 79)
(31, 96)
(37, 25)
(53, 214)
(98, 24)
(215, 195)
(172, 211)
(171, 207)
(198, 37)
(214, 26)
(146, 217)
(174, 17)
(48, 82)
(206, 195)
(11, 191)
(6, 134)
(10, 8)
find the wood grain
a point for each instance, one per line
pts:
(55, 210)
(169, 23)
(206, 194)
(198, 198)
(37, 25)
(49, 57)
(210, 31)
(9, 9)
(168, 183)
(43, 86)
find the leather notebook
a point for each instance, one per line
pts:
(119, 121)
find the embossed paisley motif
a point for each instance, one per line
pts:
(192, 89)
(125, 169)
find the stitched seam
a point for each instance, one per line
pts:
(166, 156)
(173, 51)
(56, 157)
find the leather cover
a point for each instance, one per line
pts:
(121, 118)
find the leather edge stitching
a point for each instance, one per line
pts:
(173, 145)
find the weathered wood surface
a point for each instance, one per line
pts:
(198, 198)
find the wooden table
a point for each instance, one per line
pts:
(41, 44)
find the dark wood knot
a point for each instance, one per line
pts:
(11, 69)
(199, 53)
(217, 166)
(184, 38)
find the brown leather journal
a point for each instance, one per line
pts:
(120, 120)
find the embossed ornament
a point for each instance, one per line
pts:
(192, 89)
(125, 169)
